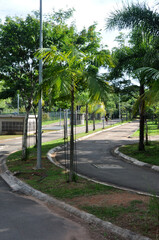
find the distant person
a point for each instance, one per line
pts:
(106, 118)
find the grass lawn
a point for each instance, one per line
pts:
(57, 121)
(125, 209)
(49, 122)
(152, 130)
(128, 210)
(150, 155)
(4, 137)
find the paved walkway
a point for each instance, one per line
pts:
(25, 219)
(95, 160)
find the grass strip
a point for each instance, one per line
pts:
(150, 155)
(152, 130)
(51, 179)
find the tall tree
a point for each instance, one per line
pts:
(68, 73)
(142, 21)
(19, 40)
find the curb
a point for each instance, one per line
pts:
(19, 186)
(135, 161)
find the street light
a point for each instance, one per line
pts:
(39, 165)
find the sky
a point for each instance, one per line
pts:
(86, 12)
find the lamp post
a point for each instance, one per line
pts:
(39, 165)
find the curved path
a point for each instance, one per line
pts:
(95, 160)
(23, 218)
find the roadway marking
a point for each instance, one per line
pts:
(108, 166)
(1, 147)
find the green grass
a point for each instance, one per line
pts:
(49, 122)
(150, 155)
(111, 213)
(51, 179)
(57, 121)
(4, 137)
(152, 130)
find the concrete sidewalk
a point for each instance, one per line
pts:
(96, 161)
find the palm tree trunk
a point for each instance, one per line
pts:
(147, 142)
(142, 119)
(72, 137)
(158, 122)
(87, 118)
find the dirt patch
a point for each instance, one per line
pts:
(125, 209)
(121, 198)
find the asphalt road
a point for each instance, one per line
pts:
(22, 218)
(25, 219)
(95, 160)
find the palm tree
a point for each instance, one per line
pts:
(134, 15)
(66, 72)
(139, 18)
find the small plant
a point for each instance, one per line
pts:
(45, 117)
(154, 208)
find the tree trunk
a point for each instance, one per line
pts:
(65, 124)
(87, 118)
(158, 122)
(72, 138)
(94, 126)
(147, 142)
(25, 133)
(142, 119)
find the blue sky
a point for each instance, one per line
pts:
(87, 12)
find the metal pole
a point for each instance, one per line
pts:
(119, 108)
(103, 122)
(60, 117)
(39, 165)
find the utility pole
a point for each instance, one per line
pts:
(39, 165)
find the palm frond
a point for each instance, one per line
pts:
(132, 15)
(98, 87)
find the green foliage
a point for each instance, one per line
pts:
(142, 50)
(154, 208)
(45, 117)
(132, 15)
